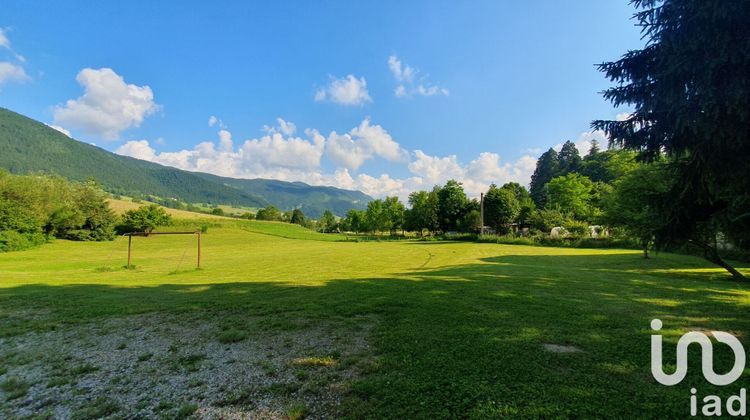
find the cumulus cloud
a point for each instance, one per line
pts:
(585, 140)
(108, 105)
(271, 156)
(284, 155)
(11, 70)
(409, 85)
(284, 127)
(139, 149)
(476, 175)
(347, 90)
(364, 142)
(58, 128)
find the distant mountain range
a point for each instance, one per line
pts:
(28, 146)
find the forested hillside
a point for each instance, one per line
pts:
(28, 146)
(313, 200)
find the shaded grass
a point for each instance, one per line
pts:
(460, 326)
(296, 411)
(231, 336)
(99, 408)
(14, 388)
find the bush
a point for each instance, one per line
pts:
(545, 219)
(144, 219)
(11, 240)
(268, 213)
(34, 208)
(577, 228)
(506, 240)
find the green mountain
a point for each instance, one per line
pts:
(27, 146)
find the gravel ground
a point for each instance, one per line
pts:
(157, 365)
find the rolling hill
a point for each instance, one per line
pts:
(28, 146)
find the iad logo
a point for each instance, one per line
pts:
(736, 404)
(707, 355)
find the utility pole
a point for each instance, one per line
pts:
(481, 212)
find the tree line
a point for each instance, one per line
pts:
(37, 208)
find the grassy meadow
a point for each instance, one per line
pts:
(445, 329)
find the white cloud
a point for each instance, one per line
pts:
(409, 84)
(4, 41)
(405, 74)
(139, 149)
(584, 141)
(5, 44)
(280, 154)
(108, 105)
(477, 175)
(348, 90)
(58, 128)
(212, 120)
(284, 127)
(271, 156)
(364, 142)
(275, 151)
(225, 141)
(10, 72)
(433, 169)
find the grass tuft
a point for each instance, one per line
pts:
(231, 336)
(84, 369)
(14, 387)
(145, 357)
(99, 408)
(185, 411)
(296, 411)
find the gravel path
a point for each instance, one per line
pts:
(157, 365)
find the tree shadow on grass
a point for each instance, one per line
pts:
(466, 340)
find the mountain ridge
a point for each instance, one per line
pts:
(27, 146)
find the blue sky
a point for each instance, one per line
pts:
(382, 96)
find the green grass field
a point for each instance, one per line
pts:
(449, 329)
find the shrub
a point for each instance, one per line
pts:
(144, 219)
(34, 208)
(11, 240)
(231, 336)
(577, 228)
(268, 213)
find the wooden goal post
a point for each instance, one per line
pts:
(131, 234)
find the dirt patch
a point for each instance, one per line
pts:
(166, 365)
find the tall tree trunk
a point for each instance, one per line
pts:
(644, 244)
(711, 254)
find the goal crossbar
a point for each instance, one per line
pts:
(131, 234)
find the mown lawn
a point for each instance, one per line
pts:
(459, 327)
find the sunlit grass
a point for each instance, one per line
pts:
(459, 330)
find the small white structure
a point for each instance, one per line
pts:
(597, 231)
(558, 232)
